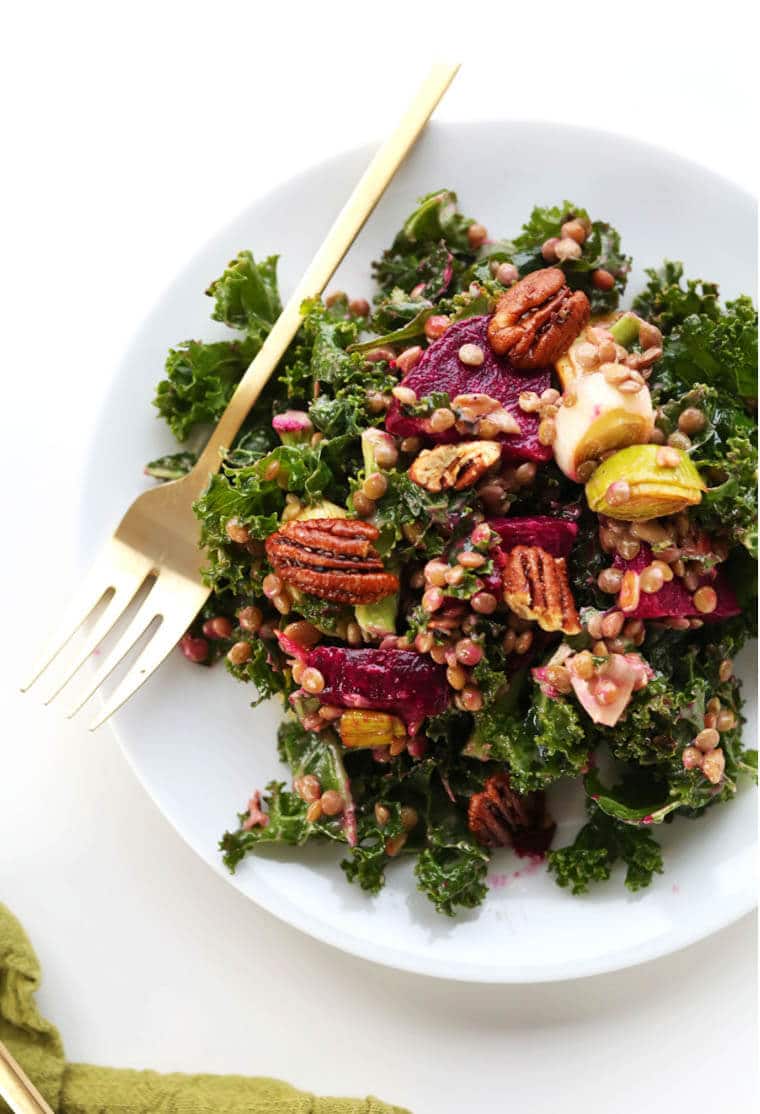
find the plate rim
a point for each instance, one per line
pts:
(284, 909)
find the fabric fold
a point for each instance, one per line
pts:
(86, 1089)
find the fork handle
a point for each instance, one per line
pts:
(344, 231)
(17, 1089)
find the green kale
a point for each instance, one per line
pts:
(246, 296)
(311, 752)
(667, 304)
(640, 797)
(601, 250)
(340, 381)
(424, 515)
(252, 443)
(171, 467)
(286, 823)
(725, 451)
(660, 721)
(394, 312)
(540, 739)
(586, 561)
(201, 377)
(730, 506)
(259, 671)
(330, 335)
(413, 329)
(452, 875)
(601, 842)
(200, 380)
(329, 618)
(416, 249)
(718, 351)
(306, 753)
(246, 493)
(368, 859)
(451, 869)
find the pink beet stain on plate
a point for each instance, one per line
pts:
(533, 865)
(440, 369)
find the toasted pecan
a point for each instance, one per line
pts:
(458, 466)
(332, 558)
(498, 817)
(536, 587)
(537, 319)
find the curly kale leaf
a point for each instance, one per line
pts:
(330, 335)
(245, 493)
(331, 373)
(719, 351)
(286, 823)
(405, 504)
(730, 507)
(451, 869)
(601, 842)
(312, 752)
(601, 250)
(725, 451)
(246, 296)
(260, 672)
(200, 379)
(170, 467)
(306, 753)
(660, 721)
(368, 859)
(416, 254)
(396, 313)
(667, 303)
(540, 744)
(640, 797)
(452, 875)
(410, 330)
(327, 617)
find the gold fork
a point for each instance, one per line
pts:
(157, 539)
(17, 1089)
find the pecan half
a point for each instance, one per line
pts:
(332, 558)
(538, 319)
(458, 466)
(498, 817)
(536, 587)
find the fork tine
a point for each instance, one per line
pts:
(100, 580)
(80, 607)
(147, 612)
(115, 567)
(115, 608)
(160, 646)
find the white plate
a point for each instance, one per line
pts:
(190, 734)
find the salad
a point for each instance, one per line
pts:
(491, 533)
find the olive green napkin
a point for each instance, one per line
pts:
(84, 1089)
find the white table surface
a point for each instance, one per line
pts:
(132, 140)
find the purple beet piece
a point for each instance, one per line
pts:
(674, 601)
(440, 369)
(398, 681)
(555, 535)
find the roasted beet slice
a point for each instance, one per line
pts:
(554, 535)
(674, 601)
(397, 681)
(440, 369)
